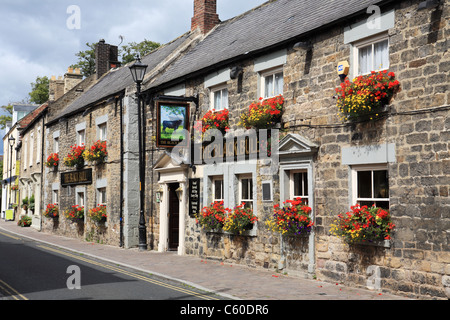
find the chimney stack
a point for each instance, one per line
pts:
(205, 15)
(72, 78)
(55, 88)
(106, 58)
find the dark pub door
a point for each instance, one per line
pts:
(174, 214)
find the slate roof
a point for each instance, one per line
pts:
(117, 80)
(266, 26)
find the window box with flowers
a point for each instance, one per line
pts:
(75, 214)
(52, 211)
(264, 114)
(366, 97)
(14, 187)
(293, 219)
(25, 221)
(212, 120)
(212, 217)
(239, 220)
(75, 157)
(364, 225)
(52, 161)
(25, 203)
(96, 153)
(98, 214)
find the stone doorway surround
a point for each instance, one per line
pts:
(169, 172)
(297, 153)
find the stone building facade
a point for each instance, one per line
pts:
(408, 145)
(283, 51)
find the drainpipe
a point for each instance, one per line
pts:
(42, 169)
(121, 172)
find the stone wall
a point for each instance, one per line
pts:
(103, 175)
(416, 263)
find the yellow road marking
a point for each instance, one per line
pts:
(11, 291)
(10, 236)
(134, 275)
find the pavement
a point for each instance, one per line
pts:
(228, 280)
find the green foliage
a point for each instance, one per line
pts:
(4, 118)
(39, 90)
(86, 60)
(143, 48)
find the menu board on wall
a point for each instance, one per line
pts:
(194, 197)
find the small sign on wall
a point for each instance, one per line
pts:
(194, 197)
(267, 191)
(76, 177)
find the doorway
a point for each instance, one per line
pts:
(174, 216)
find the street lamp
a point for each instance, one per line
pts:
(12, 142)
(138, 70)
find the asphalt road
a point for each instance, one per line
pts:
(34, 271)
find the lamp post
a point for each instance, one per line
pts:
(138, 70)
(11, 142)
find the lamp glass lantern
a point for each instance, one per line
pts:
(138, 70)
(11, 141)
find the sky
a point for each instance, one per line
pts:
(41, 37)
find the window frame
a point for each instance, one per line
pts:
(250, 200)
(270, 73)
(213, 91)
(213, 186)
(102, 197)
(78, 197)
(102, 131)
(80, 141)
(357, 45)
(305, 185)
(55, 196)
(375, 167)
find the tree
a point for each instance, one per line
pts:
(86, 60)
(143, 48)
(4, 118)
(39, 90)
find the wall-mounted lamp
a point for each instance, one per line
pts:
(428, 4)
(235, 72)
(303, 45)
(179, 193)
(159, 195)
(343, 70)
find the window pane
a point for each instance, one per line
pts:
(364, 184)
(224, 99)
(217, 99)
(102, 131)
(268, 89)
(245, 191)
(380, 184)
(80, 199)
(218, 189)
(279, 81)
(298, 184)
(365, 59)
(381, 55)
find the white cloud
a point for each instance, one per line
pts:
(35, 40)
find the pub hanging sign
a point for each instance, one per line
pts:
(76, 177)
